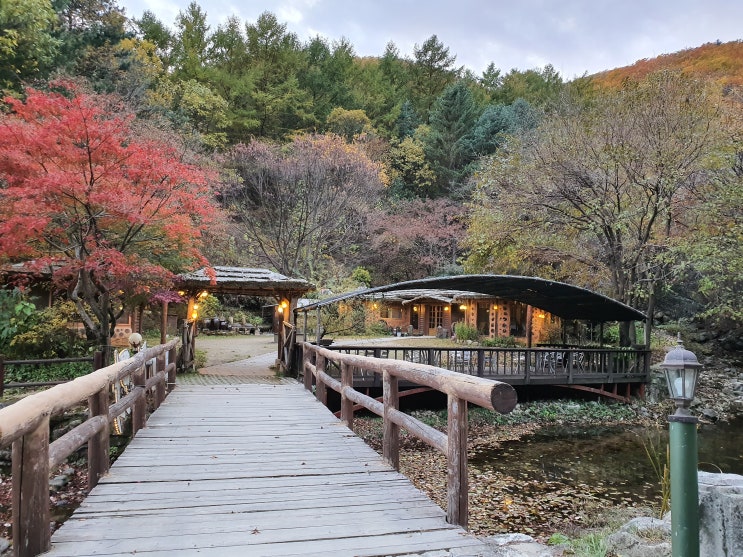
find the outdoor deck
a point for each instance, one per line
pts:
(254, 469)
(601, 368)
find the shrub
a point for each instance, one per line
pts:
(379, 328)
(48, 335)
(210, 306)
(501, 342)
(466, 332)
(15, 313)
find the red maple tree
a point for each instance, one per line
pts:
(116, 209)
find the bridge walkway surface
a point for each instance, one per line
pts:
(229, 467)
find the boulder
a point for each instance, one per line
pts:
(642, 537)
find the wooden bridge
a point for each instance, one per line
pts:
(243, 469)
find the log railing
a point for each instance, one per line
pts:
(459, 388)
(25, 424)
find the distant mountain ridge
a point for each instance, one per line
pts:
(721, 62)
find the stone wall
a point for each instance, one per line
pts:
(720, 515)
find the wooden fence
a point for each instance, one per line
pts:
(25, 424)
(459, 388)
(96, 360)
(519, 366)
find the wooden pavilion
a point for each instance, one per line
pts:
(245, 281)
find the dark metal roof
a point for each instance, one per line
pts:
(561, 299)
(245, 280)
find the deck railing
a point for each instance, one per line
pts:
(25, 424)
(459, 388)
(520, 366)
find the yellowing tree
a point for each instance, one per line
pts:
(598, 193)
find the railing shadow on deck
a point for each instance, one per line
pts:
(459, 388)
(25, 424)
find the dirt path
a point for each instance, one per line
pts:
(237, 355)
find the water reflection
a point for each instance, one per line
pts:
(613, 459)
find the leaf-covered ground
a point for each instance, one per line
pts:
(512, 502)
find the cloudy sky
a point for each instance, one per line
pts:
(575, 36)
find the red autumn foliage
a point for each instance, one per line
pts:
(417, 238)
(116, 209)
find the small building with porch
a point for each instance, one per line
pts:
(531, 310)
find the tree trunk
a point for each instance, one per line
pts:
(625, 333)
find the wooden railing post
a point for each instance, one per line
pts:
(457, 488)
(30, 470)
(139, 410)
(160, 388)
(321, 390)
(172, 359)
(2, 377)
(391, 436)
(307, 377)
(346, 403)
(99, 444)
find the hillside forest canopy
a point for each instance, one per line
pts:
(132, 149)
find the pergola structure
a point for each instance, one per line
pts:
(244, 281)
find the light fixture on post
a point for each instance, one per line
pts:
(463, 307)
(681, 368)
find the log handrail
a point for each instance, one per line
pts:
(459, 388)
(25, 424)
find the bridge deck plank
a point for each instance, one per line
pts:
(254, 470)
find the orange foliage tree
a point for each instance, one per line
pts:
(115, 210)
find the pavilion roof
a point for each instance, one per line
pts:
(561, 299)
(245, 280)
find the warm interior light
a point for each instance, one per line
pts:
(463, 307)
(495, 306)
(281, 309)
(541, 316)
(284, 304)
(181, 293)
(204, 294)
(446, 308)
(194, 315)
(196, 306)
(375, 306)
(415, 308)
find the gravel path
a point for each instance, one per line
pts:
(236, 358)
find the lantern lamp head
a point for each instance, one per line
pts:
(681, 368)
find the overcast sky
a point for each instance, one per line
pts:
(575, 36)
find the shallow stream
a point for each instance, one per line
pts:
(612, 460)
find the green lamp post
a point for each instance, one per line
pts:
(682, 369)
